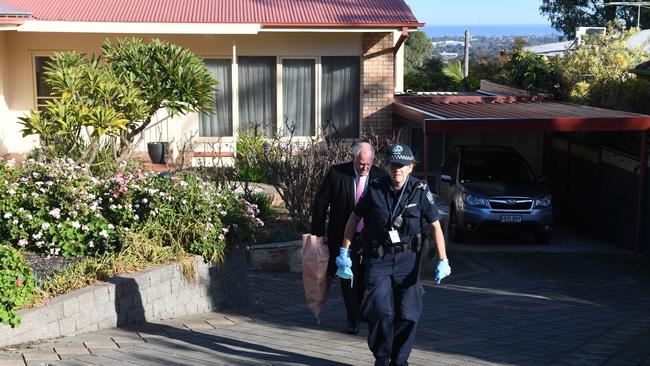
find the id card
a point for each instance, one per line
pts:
(394, 236)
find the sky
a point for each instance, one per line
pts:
(471, 12)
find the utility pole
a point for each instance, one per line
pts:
(466, 68)
(639, 4)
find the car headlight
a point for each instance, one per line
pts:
(474, 200)
(543, 202)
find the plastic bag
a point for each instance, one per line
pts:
(315, 258)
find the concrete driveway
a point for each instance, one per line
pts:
(499, 308)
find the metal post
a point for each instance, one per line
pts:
(425, 147)
(640, 197)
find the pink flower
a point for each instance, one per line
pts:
(19, 282)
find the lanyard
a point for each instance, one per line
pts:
(392, 215)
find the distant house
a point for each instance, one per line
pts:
(308, 61)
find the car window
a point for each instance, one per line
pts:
(486, 167)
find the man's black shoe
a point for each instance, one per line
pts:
(353, 327)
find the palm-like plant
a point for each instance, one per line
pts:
(454, 71)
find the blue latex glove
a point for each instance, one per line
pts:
(344, 264)
(442, 270)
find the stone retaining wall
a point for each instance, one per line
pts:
(156, 293)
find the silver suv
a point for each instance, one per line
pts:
(491, 185)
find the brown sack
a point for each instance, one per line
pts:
(315, 257)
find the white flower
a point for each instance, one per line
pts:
(85, 228)
(29, 217)
(21, 209)
(91, 244)
(75, 224)
(103, 234)
(183, 201)
(144, 200)
(110, 226)
(15, 222)
(22, 242)
(7, 215)
(183, 183)
(11, 192)
(56, 213)
(45, 225)
(37, 236)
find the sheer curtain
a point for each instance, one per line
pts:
(340, 95)
(299, 96)
(219, 123)
(257, 93)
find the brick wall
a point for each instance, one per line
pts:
(157, 293)
(378, 83)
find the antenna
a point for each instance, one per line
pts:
(638, 4)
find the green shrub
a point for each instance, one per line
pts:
(16, 284)
(250, 150)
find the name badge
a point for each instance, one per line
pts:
(394, 236)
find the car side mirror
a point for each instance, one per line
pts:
(542, 179)
(446, 178)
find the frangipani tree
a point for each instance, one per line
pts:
(108, 100)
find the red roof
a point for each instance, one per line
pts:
(511, 113)
(378, 13)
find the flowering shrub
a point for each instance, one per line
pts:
(16, 284)
(61, 209)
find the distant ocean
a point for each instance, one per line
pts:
(490, 30)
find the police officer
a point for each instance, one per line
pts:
(393, 208)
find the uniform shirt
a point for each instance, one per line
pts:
(378, 203)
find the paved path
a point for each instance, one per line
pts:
(498, 309)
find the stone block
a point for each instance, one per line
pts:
(70, 306)
(67, 326)
(101, 295)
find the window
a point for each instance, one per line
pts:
(257, 93)
(43, 90)
(219, 123)
(340, 95)
(299, 97)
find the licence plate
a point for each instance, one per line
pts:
(510, 219)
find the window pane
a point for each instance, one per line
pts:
(219, 123)
(299, 97)
(340, 95)
(43, 90)
(257, 93)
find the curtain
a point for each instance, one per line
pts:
(219, 123)
(340, 95)
(299, 97)
(257, 93)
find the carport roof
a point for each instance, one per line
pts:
(476, 113)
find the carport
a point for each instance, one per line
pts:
(481, 113)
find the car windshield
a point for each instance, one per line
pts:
(494, 167)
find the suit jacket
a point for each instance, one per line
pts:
(336, 193)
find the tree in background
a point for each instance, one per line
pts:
(566, 15)
(418, 49)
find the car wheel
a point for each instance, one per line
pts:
(456, 234)
(543, 237)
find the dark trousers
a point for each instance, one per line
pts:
(392, 305)
(353, 290)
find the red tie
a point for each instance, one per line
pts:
(361, 184)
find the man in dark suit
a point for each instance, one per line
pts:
(339, 192)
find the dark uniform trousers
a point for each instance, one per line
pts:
(392, 305)
(353, 290)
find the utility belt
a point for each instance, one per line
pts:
(374, 249)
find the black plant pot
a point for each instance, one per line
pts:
(158, 152)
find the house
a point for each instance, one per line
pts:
(345, 55)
